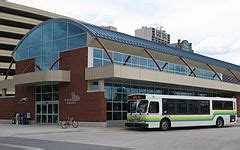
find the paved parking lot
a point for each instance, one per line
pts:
(51, 137)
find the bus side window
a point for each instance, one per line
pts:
(169, 108)
(153, 107)
(222, 105)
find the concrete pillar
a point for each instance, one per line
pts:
(101, 85)
(4, 92)
(89, 85)
(238, 104)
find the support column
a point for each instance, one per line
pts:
(89, 85)
(105, 49)
(238, 104)
(101, 85)
(154, 60)
(234, 74)
(164, 65)
(214, 72)
(4, 92)
(54, 63)
(125, 62)
(9, 68)
(189, 67)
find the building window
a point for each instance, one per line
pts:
(47, 92)
(101, 59)
(116, 98)
(47, 32)
(48, 40)
(153, 107)
(59, 30)
(77, 41)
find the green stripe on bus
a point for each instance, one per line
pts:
(185, 117)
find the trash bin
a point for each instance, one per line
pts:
(28, 117)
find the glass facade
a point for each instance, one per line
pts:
(116, 94)
(46, 42)
(100, 59)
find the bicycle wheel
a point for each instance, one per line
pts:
(75, 124)
(64, 124)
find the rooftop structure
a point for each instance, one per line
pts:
(153, 34)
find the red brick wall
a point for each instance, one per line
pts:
(27, 65)
(7, 107)
(10, 106)
(238, 104)
(29, 92)
(25, 90)
(92, 106)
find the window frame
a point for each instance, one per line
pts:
(222, 103)
(157, 110)
(176, 102)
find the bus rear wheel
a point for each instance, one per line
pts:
(219, 122)
(165, 125)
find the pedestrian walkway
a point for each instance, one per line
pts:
(16, 143)
(12, 130)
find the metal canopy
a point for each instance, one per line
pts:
(135, 41)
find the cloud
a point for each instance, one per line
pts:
(212, 26)
(220, 48)
(214, 45)
(232, 57)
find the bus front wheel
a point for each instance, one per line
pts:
(165, 124)
(219, 122)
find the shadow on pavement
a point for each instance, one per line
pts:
(177, 128)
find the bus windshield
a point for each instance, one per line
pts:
(142, 106)
(132, 106)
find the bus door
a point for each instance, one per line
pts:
(153, 110)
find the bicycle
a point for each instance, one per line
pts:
(70, 121)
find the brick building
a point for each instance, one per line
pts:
(70, 68)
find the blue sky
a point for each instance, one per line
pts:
(213, 26)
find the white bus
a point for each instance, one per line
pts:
(166, 111)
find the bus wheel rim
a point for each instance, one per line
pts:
(219, 122)
(164, 125)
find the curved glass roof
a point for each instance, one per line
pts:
(131, 40)
(47, 40)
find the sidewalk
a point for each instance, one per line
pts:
(11, 129)
(14, 130)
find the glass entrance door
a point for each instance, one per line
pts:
(47, 103)
(47, 112)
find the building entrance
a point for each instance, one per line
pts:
(47, 103)
(47, 112)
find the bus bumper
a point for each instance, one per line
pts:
(133, 124)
